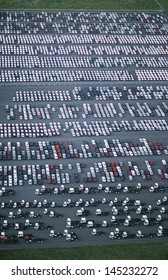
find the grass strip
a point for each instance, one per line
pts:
(145, 251)
(85, 4)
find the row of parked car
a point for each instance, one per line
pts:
(111, 110)
(86, 28)
(96, 93)
(87, 23)
(84, 213)
(28, 112)
(79, 129)
(97, 110)
(106, 172)
(66, 75)
(85, 49)
(82, 17)
(71, 236)
(76, 39)
(87, 149)
(105, 128)
(34, 96)
(29, 130)
(81, 62)
(152, 75)
(83, 75)
(100, 188)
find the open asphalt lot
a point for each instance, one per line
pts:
(83, 130)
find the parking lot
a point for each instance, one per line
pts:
(83, 128)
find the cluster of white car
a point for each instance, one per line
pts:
(80, 62)
(29, 130)
(99, 93)
(85, 49)
(98, 128)
(138, 109)
(34, 96)
(64, 76)
(68, 112)
(26, 39)
(28, 112)
(121, 93)
(152, 75)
